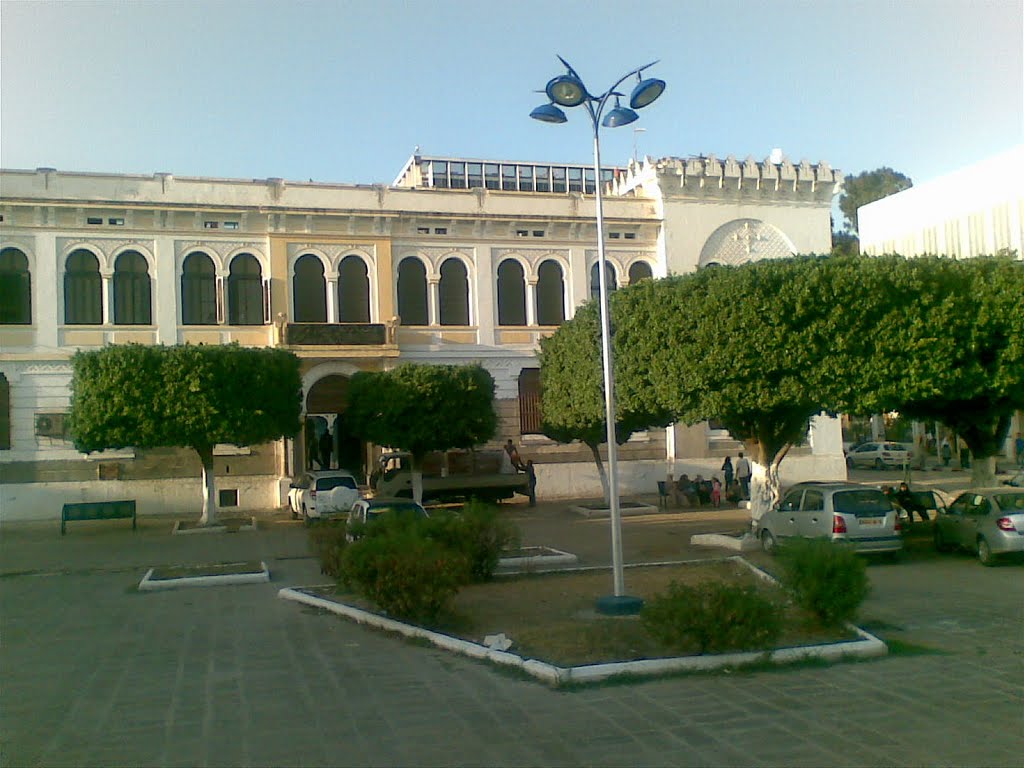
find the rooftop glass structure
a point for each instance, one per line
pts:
(462, 173)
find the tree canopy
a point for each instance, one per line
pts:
(572, 386)
(867, 187)
(183, 396)
(423, 408)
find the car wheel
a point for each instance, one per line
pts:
(985, 556)
(767, 542)
(879, 464)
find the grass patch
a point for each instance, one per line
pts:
(212, 569)
(551, 617)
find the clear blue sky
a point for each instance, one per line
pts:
(343, 91)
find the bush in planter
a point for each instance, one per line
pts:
(327, 540)
(829, 580)
(480, 533)
(403, 572)
(714, 616)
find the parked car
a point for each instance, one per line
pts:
(856, 514)
(367, 510)
(878, 455)
(988, 521)
(322, 494)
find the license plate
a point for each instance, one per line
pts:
(872, 520)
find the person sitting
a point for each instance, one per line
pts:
(687, 492)
(703, 489)
(906, 499)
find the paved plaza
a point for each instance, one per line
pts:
(94, 673)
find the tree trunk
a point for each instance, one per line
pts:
(765, 485)
(983, 471)
(594, 449)
(209, 516)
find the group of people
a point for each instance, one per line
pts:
(698, 492)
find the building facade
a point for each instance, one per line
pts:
(457, 261)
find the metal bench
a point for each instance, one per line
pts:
(98, 510)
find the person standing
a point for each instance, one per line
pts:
(513, 456)
(326, 449)
(743, 475)
(946, 451)
(531, 480)
(727, 471)
(1018, 446)
(716, 492)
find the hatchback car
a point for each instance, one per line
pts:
(878, 455)
(322, 494)
(858, 515)
(988, 521)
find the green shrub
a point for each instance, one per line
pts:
(479, 533)
(829, 580)
(327, 540)
(403, 572)
(714, 616)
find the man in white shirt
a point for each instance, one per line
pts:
(743, 475)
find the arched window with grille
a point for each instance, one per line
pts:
(245, 291)
(353, 291)
(412, 292)
(511, 293)
(595, 278)
(639, 270)
(309, 290)
(132, 290)
(453, 293)
(550, 293)
(198, 290)
(15, 288)
(83, 289)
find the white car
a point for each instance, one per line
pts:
(366, 510)
(323, 494)
(878, 455)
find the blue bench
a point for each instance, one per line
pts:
(98, 510)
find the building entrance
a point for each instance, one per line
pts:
(327, 437)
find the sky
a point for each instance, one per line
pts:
(344, 91)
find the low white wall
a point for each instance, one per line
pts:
(182, 497)
(640, 478)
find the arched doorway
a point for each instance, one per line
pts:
(327, 438)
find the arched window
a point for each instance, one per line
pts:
(511, 293)
(198, 290)
(83, 289)
(412, 292)
(132, 292)
(245, 291)
(453, 293)
(309, 290)
(353, 291)
(15, 288)
(550, 294)
(595, 277)
(639, 270)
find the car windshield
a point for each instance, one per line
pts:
(327, 483)
(865, 503)
(1010, 502)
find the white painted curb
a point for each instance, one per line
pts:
(867, 646)
(725, 541)
(149, 584)
(179, 531)
(634, 509)
(557, 557)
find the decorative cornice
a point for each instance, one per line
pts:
(220, 247)
(105, 245)
(531, 254)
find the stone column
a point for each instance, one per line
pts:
(531, 301)
(332, 297)
(434, 301)
(107, 276)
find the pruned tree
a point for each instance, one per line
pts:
(867, 187)
(572, 387)
(184, 396)
(423, 408)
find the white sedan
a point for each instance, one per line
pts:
(878, 455)
(323, 494)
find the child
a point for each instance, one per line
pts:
(716, 492)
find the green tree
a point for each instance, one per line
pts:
(866, 187)
(572, 386)
(423, 408)
(959, 358)
(184, 396)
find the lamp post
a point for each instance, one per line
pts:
(568, 90)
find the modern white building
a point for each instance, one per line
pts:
(973, 211)
(458, 261)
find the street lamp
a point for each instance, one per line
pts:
(568, 90)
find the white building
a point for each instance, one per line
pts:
(458, 261)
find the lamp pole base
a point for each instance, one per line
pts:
(619, 605)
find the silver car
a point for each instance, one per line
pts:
(989, 521)
(856, 514)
